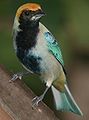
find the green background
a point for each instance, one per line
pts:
(68, 21)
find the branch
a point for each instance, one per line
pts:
(15, 98)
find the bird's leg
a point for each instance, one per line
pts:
(18, 76)
(38, 99)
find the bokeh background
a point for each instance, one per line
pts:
(69, 22)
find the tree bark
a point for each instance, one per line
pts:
(16, 100)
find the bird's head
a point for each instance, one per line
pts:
(29, 12)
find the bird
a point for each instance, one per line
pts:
(39, 53)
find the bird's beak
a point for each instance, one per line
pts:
(37, 16)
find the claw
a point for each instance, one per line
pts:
(18, 76)
(36, 101)
(15, 77)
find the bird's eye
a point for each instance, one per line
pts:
(26, 13)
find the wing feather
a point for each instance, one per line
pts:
(53, 47)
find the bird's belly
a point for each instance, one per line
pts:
(53, 73)
(41, 63)
(50, 68)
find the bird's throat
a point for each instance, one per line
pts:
(26, 37)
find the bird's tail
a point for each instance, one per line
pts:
(65, 101)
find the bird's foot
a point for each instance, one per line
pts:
(16, 76)
(36, 101)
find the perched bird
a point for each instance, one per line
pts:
(39, 53)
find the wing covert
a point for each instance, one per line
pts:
(53, 47)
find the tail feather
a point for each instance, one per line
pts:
(65, 101)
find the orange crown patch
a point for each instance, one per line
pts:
(28, 6)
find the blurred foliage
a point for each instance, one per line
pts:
(67, 20)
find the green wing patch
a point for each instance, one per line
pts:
(53, 47)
